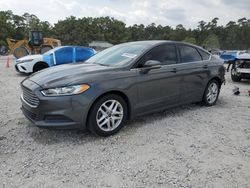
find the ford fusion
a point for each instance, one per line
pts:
(120, 83)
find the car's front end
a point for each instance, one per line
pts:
(52, 111)
(59, 97)
(25, 64)
(242, 68)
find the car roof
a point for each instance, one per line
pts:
(149, 42)
(158, 42)
(59, 47)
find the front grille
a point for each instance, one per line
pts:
(29, 114)
(246, 65)
(29, 97)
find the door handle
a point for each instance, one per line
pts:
(174, 70)
(205, 66)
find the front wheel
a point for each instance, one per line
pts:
(40, 66)
(235, 77)
(211, 93)
(107, 115)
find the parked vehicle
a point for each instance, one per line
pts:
(240, 67)
(120, 83)
(3, 51)
(228, 56)
(56, 56)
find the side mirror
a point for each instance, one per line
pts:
(152, 64)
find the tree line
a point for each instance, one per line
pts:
(81, 31)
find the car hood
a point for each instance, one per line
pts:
(28, 57)
(69, 74)
(243, 56)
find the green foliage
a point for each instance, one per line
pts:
(81, 31)
(191, 40)
(84, 30)
(211, 41)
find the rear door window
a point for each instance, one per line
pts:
(189, 54)
(204, 55)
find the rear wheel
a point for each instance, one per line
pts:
(235, 76)
(107, 115)
(211, 93)
(20, 52)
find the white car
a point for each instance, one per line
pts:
(57, 56)
(241, 67)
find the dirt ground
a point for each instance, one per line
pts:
(189, 146)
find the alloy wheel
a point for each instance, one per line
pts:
(212, 93)
(109, 115)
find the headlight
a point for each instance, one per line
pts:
(67, 90)
(24, 61)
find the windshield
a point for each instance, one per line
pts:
(119, 55)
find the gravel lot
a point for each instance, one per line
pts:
(189, 146)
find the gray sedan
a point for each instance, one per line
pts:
(120, 83)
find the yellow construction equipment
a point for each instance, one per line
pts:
(35, 45)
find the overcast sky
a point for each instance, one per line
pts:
(164, 12)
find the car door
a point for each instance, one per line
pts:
(64, 55)
(195, 73)
(158, 88)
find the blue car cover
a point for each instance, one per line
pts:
(67, 54)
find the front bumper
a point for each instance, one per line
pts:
(21, 68)
(64, 112)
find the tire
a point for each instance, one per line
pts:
(20, 52)
(45, 49)
(40, 66)
(211, 93)
(234, 76)
(109, 122)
